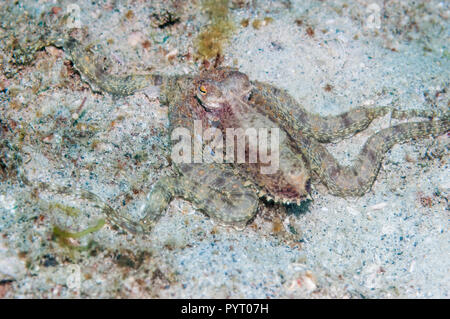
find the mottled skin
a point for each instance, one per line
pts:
(225, 98)
(309, 130)
(224, 94)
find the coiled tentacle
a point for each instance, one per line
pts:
(356, 180)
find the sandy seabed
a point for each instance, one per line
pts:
(331, 56)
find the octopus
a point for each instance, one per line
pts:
(225, 98)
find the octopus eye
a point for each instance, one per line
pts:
(202, 90)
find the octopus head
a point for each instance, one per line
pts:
(217, 92)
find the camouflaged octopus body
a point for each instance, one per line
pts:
(226, 98)
(309, 131)
(227, 192)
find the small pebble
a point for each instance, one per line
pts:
(378, 206)
(135, 38)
